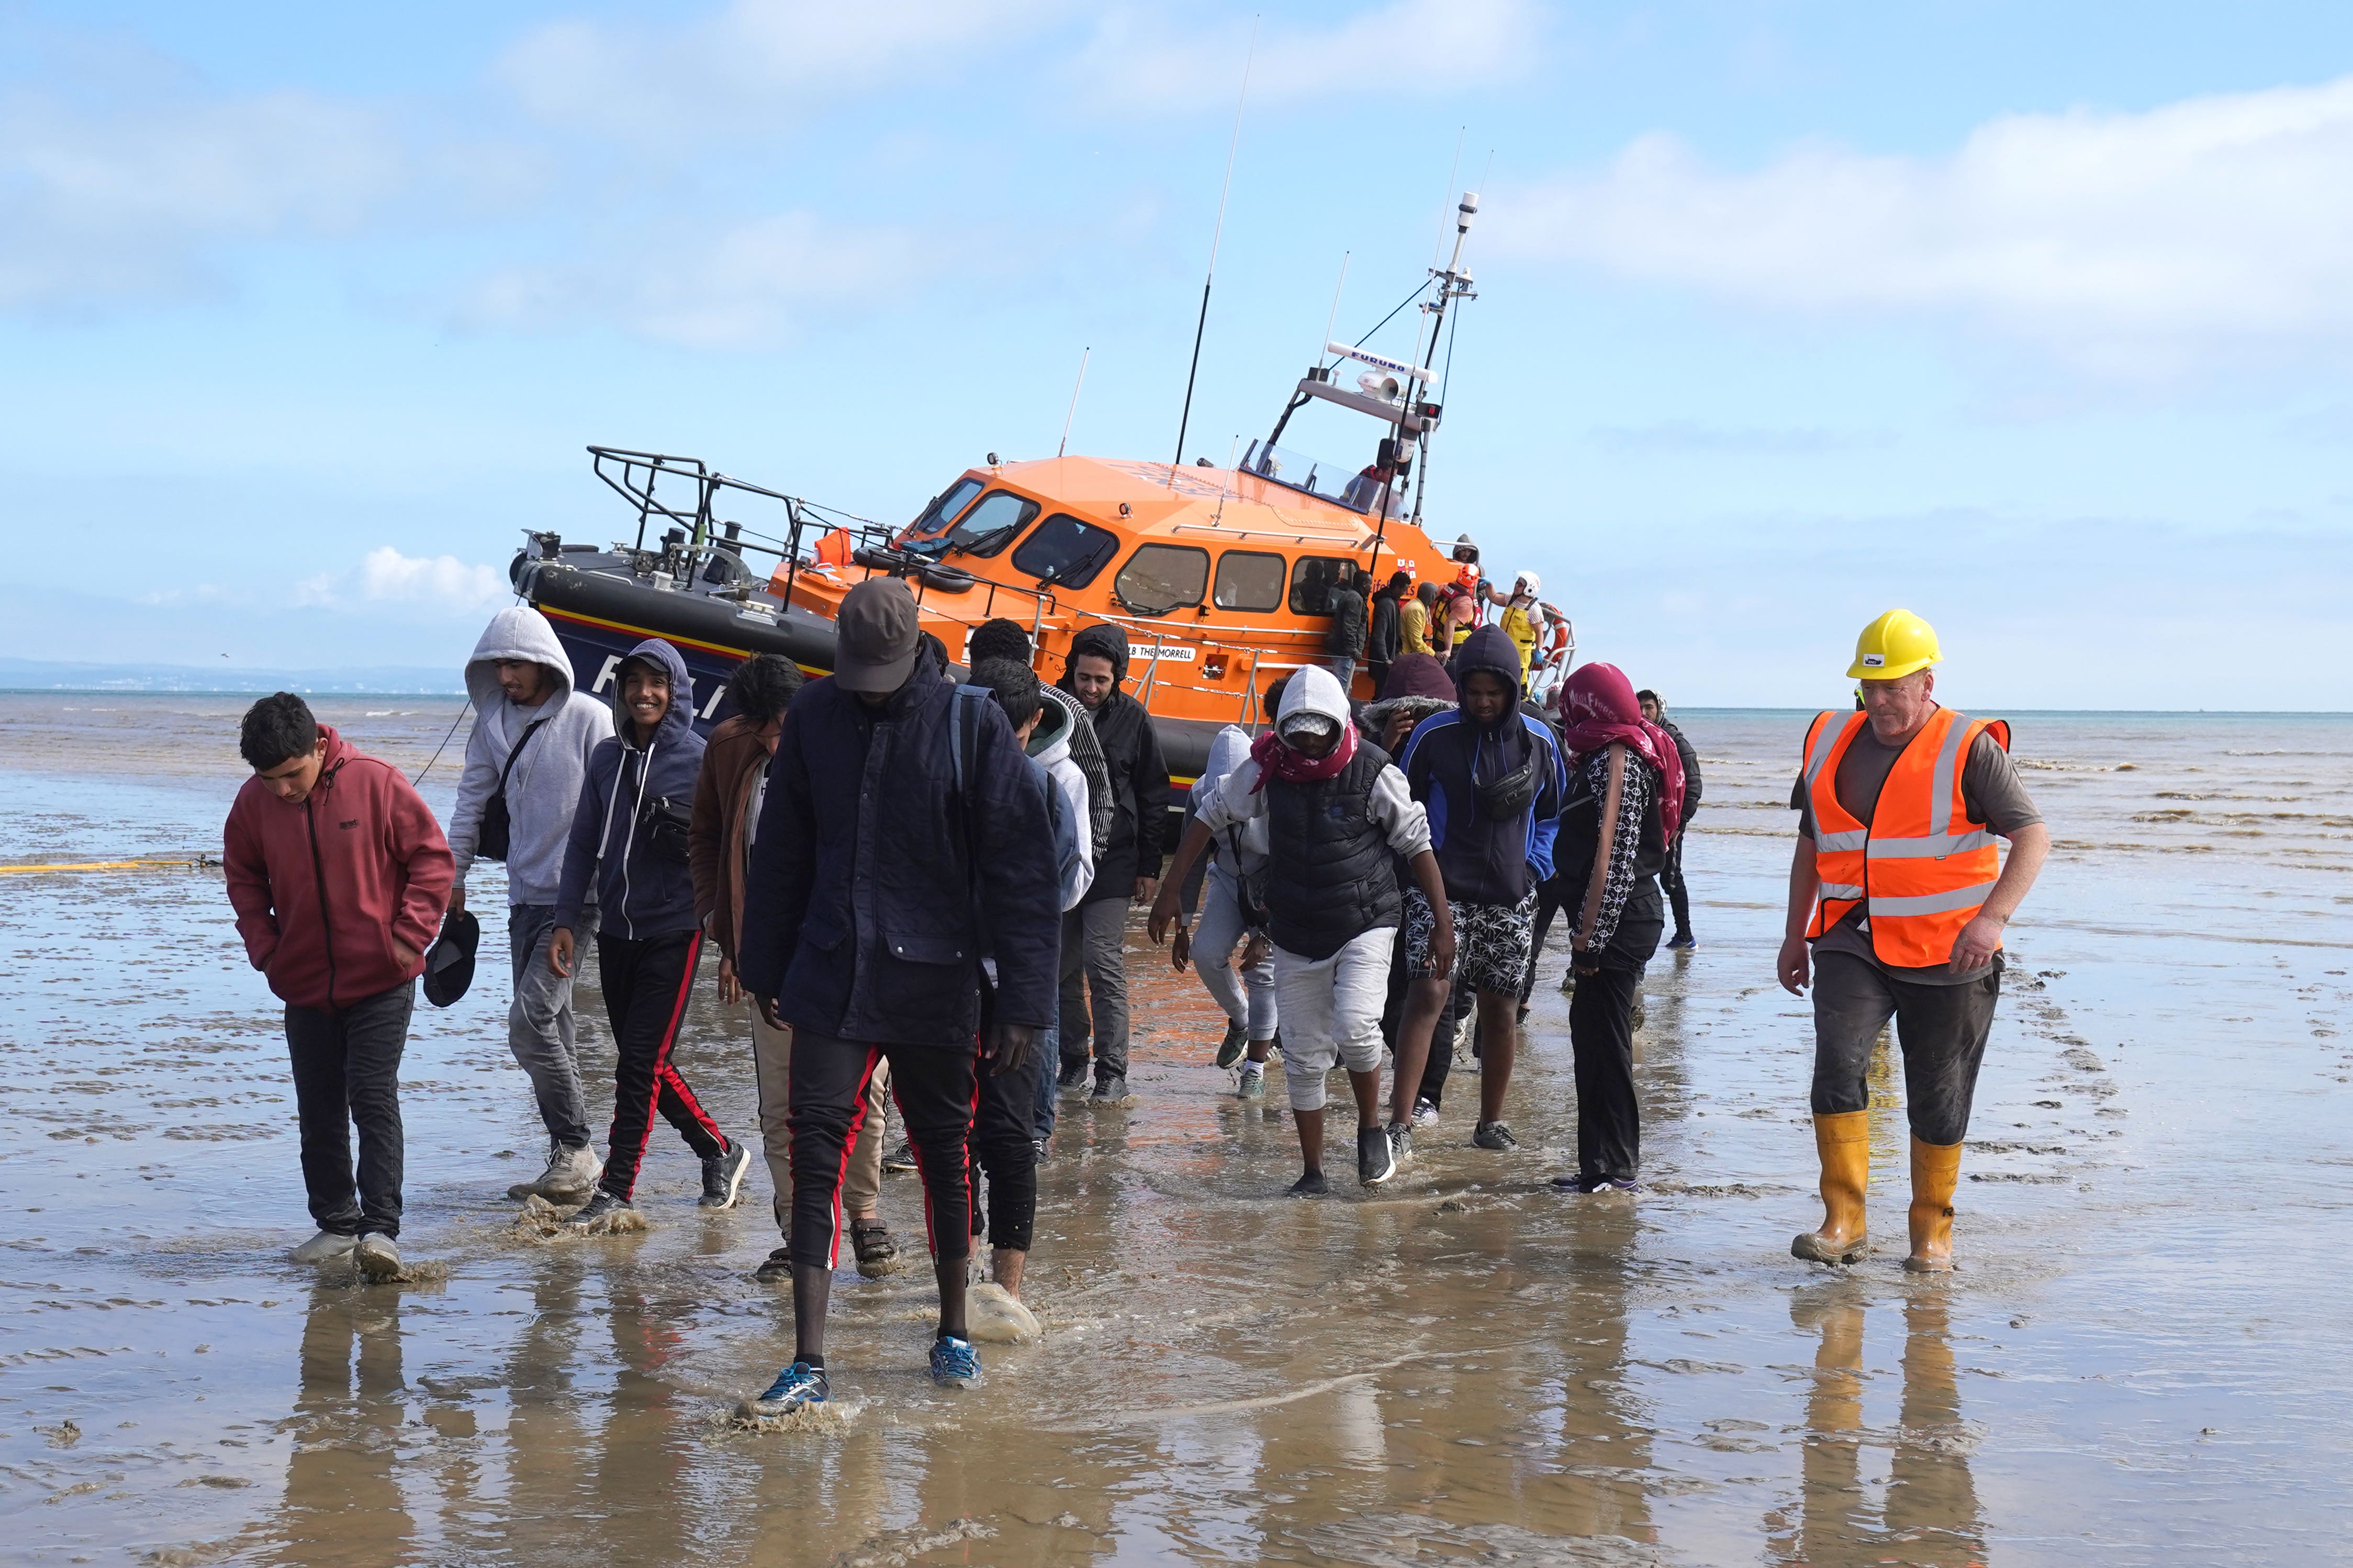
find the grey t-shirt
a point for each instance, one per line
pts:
(1990, 792)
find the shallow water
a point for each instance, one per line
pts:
(2138, 1361)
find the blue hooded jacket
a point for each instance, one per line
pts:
(1484, 860)
(621, 856)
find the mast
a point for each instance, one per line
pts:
(1453, 284)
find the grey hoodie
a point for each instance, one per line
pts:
(546, 784)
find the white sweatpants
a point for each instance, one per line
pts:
(1216, 936)
(1332, 1012)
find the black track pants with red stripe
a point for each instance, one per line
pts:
(934, 1086)
(647, 982)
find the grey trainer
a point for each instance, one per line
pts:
(570, 1176)
(325, 1247)
(376, 1256)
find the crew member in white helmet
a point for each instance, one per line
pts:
(1518, 619)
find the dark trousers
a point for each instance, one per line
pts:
(1670, 877)
(647, 982)
(934, 1086)
(1551, 897)
(347, 1073)
(1941, 1030)
(1601, 1038)
(1004, 1116)
(1442, 1035)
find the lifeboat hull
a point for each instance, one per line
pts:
(600, 615)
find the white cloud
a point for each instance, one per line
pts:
(125, 193)
(2132, 244)
(436, 584)
(1165, 59)
(751, 286)
(750, 63)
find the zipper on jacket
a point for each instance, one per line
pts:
(319, 870)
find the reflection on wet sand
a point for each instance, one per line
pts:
(1867, 1492)
(343, 1501)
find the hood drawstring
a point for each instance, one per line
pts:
(637, 809)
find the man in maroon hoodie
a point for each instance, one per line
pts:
(340, 876)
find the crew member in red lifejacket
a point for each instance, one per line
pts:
(1900, 893)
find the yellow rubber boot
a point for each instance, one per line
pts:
(1936, 1171)
(1843, 1139)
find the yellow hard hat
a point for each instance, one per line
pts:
(1894, 646)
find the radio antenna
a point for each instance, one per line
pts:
(1216, 237)
(1073, 414)
(1333, 319)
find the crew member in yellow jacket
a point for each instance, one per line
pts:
(1897, 899)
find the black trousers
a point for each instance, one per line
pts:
(1941, 1030)
(999, 1145)
(1551, 897)
(647, 982)
(1670, 877)
(1601, 1039)
(1458, 1001)
(346, 1073)
(934, 1087)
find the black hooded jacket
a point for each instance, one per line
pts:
(1139, 775)
(876, 885)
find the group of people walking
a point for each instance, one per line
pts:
(918, 886)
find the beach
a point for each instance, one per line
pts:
(2133, 1364)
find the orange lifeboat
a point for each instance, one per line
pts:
(1220, 578)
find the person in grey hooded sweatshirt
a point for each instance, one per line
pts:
(529, 751)
(629, 848)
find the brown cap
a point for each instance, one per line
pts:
(876, 636)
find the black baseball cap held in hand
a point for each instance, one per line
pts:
(450, 962)
(877, 637)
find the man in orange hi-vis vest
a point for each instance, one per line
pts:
(1899, 892)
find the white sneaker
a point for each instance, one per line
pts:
(325, 1247)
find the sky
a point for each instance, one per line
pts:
(2034, 319)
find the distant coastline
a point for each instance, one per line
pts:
(43, 677)
(59, 678)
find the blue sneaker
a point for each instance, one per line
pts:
(955, 1364)
(798, 1384)
(1682, 941)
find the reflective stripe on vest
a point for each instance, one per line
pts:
(1920, 881)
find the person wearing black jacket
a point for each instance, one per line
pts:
(1671, 877)
(1344, 644)
(904, 838)
(1387, 634)
(1095, 935)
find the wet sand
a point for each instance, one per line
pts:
(2138, 1361)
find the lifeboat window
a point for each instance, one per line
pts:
(1312, 579)
(1250, 580)
(1065, 551)
(992, 525)
(1159, 578)
(945, 510)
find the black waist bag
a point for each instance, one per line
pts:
(1504, 798)
(490, 841)
(666, 822)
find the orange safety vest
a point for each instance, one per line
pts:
(1921, 867)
